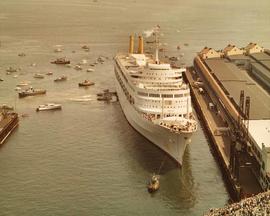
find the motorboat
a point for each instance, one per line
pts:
(90, 70)
(49, 106)
(78, 67)
(23, 83)
(21, 54)
(61, 61)
(39, 76)
(61, 78)
(86, 83)
(31, 92)
(49, 73)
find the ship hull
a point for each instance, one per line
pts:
(174, 144)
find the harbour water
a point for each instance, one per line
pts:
(87, 159)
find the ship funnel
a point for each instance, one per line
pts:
(131, 44)
(140, 47)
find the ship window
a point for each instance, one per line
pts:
(178, 95)
(167, 95)
(153, 95)
(142, 94)
(168, 102)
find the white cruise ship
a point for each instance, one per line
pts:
(155, 99)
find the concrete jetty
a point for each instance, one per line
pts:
(238, 127)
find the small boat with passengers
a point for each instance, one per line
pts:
(61, 78)
(49, 106)
(86, 83)
(61, 61)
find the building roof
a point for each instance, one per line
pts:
(228, 48)
(234, 80)
(205, 50)
(260, 131)
(251, 46)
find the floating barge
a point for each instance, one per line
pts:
(8, 123)
(238, 128)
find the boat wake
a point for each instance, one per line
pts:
(84, 98)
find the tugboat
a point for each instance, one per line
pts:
(86, 83)
(49, 106)
(31, 92)
(153, 184)
(62, 78)
(61, 61)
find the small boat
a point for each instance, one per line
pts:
(23, 83)
(49, 73)
(11, 69)
(86, 83)
(107, 96)
(78, 67)
(1, 80)
(21, 54)
(31, 92)
(153, 184)
(90, 70)
(85, 47)
(173, 58)
(18, 89)
(57, 50)
(83, 62)
(39, 76)
(6, 107)
(61, 78)
(49, 106)
(61, 61)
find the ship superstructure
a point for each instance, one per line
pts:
(155, 99)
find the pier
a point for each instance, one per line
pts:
(8, 122)
(236, 126)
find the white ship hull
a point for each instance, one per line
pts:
(172, 143)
